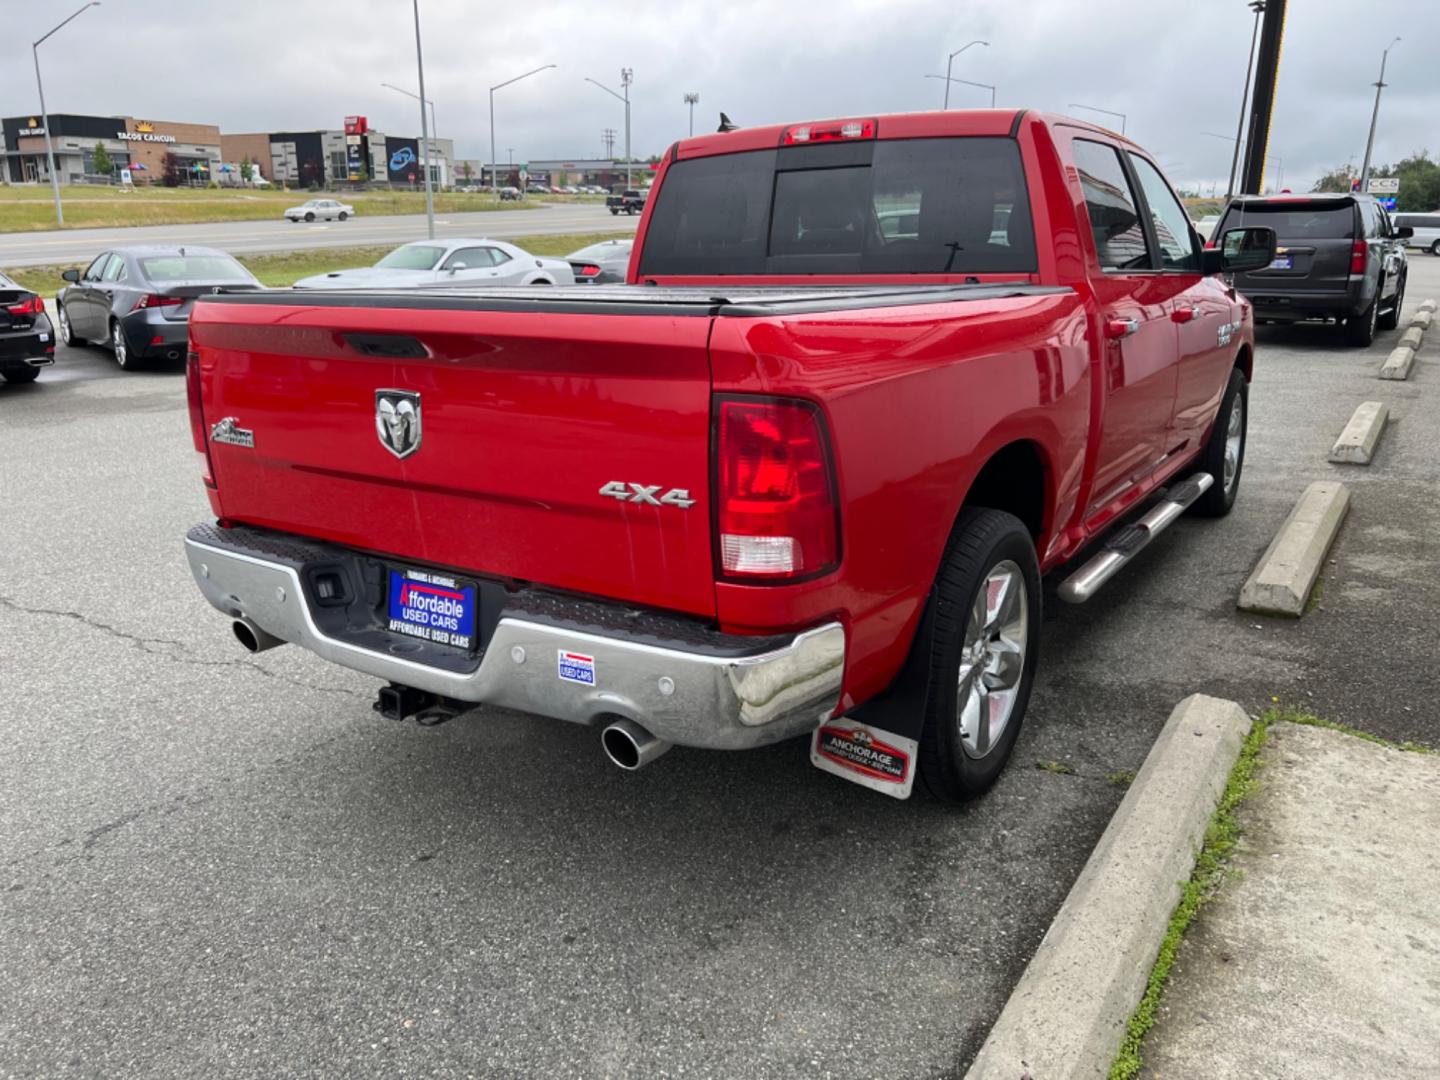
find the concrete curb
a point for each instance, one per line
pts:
(1428, 305)
(1067, 1016)
(1398, 364)
(1281, 583)
(1421, 319)
(1356, 445)
(1412, 337)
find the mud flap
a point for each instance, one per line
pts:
(876, 745)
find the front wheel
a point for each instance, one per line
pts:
(68, 337)
(343, 215)
(614, 212)
(1224, 455)
(984, 641)
(309, 217)
(1435, 248)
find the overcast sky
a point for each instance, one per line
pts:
(1175, 68)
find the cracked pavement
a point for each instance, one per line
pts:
(222, 864)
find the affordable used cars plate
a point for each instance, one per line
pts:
(432, 607)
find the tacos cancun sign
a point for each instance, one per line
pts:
(144, 132)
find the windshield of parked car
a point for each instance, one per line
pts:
(906, 206)
(412, 257)
(170, 268)
(1316, 221)
(606, 249)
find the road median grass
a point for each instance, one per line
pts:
(279, 270)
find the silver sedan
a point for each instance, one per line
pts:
(321, 209)
(442, 263)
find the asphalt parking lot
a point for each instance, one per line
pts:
(219, 863)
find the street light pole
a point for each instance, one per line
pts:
(1257, 6)
(692, 100)
(1374, 116)
(45, 116)
(1096, 108)
(424, 131)
(969, 82)
(625, 76)
(495, 165)
(950, 62)
(434, 128)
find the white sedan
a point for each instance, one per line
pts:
(432, 263)
(327, 209)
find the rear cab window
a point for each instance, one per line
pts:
(954, 205)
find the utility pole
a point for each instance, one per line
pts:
(692, 100)
(424, 131)
(1374, 116)
(1258, 7)
(608, 137)
(1262, 102)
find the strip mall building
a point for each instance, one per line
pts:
(127, 141)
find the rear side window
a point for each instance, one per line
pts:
(1315, 221)
(1114, 214)
(115, 270)
(914, 206)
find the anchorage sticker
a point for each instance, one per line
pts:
(577, 668)
(870, 757)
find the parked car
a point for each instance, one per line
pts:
(1424, 231)
(537, 189)
(320, 209)
(604, 263)
(27, 341)
(137, 300)
(630, 201)
(509, 194)
(453, 262)
(740, 505)
(1338, 257)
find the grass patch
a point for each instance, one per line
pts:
(1121, 778)
(1063, 768)
(30, 208)
(1294, 716)
(281, 269)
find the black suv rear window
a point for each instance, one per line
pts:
(1315, 221)
(912, 206)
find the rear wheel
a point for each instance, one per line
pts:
(983, 649)
(1435, 248)
(1224, 455)
(22, 375)
(123, 356)
(309, 217)
(1360, 329)
(1391, 319)
(343, 215)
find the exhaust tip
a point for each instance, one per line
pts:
(620, 748)
(245, 635)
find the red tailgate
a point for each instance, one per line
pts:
(524, 417)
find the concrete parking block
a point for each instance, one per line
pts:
(1356, 445)
(1422, 319)
(1398, 364)
(1411, 337)
(1281, 583)
(1067, 1015)
(1428, 305)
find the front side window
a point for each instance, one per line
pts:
(1171, 223)
(1114, 219)
(96, 268)
(412, 257)
(473, 258)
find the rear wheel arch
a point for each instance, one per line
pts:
(1016, 478)
(1245, 361)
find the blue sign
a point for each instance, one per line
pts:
(1388, 202)
(402, 157)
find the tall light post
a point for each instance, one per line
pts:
(1258, 7)
(434, 128)
(1096, 108)
(494, 166)
(45, 116)
(692, 100)
(968, 82)
(950, 63)
(627, 75)
(1374, 116)
(424, 131)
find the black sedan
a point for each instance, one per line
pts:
(604, 263)
(137, 300)
(26, 341)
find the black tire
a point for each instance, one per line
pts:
(68, 337)
(1360, 329)
(309, 217)
(1435, 248)
(1391, 319)
(984, 542)
(614, 212)
(21, 375)
(343, 215)
(1221, 497)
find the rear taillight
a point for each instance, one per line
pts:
(197, 417)
(156, 300)
(32, 306)
(776, 508)
(589, 270)
(832, 131)
(1359, 255)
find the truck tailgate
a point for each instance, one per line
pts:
(524, 416)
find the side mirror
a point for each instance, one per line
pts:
(71, 276)
(1404, 232)
(1239, 250)
(458, 266)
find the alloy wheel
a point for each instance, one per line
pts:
(992, 659)
(64, 324)
(1234, 441)
(117, 342)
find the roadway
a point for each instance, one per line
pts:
(252, 237)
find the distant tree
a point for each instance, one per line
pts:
(247, 169)
(170, 172)
(466, 171)
(1337, 179)
(103, 165)
(1419, 182)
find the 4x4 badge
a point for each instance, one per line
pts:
(397, 421)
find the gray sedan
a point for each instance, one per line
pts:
(441, 263)
(605, 263)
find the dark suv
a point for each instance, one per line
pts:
(1336, 257)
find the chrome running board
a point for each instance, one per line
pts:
(1129, 541)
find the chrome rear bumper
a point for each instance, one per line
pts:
(691, 695)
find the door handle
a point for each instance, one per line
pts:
(1121, 328)
(1183, 315)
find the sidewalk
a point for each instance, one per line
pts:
(1321, 955)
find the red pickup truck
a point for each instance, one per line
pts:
(800, 476)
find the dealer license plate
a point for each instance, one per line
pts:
(432, 607)
(1282, 262)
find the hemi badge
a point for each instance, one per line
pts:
(230, 432)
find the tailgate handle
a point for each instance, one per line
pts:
(393, 346)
